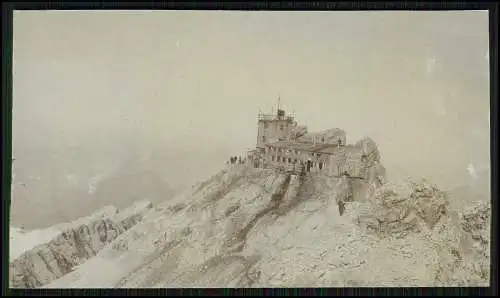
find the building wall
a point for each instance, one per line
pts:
(272, 130)
(283, 156)
(349, 161)
(332, 164)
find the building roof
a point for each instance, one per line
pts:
(333, 131)
(290, 145)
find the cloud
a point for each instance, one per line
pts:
(430, 64)
(472, 171)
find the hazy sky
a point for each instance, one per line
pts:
(416, 82)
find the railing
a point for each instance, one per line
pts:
(273, 117)
(266, 117)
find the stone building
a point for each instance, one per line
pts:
(282, 143)
(273, 127)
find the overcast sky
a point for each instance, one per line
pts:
(416, 82)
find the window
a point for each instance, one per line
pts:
(322, 140)
(272, 158)
(263, 138)
(289, 160)
(266, 125)
(284, 159)
(282, 127)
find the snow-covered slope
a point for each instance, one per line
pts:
(22, 241)
(40, 256)
(248, 227)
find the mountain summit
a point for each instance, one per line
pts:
(273, 227)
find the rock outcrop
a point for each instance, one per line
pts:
(475, 220)
(298, 132)
(461, 240)
(76, 243)
(332, 136)
(399, 208)
(412, 210)
(369, 151)
(357, 171)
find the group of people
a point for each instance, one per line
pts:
(236, 160)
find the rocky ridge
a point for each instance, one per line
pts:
(247, 227)
(74, 243)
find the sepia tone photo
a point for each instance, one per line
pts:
(168, 149)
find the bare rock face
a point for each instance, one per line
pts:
(461, 240)
(400, 208)
(298, 132)
(333, 136)
(369, 151)
(429, 202)
(356, 171)
(475, 221)
(47, 262)
(475, 218)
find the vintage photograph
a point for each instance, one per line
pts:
(250, 149)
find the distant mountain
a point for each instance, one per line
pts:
(43, 202)
(131, 187)
(54, 185)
